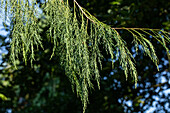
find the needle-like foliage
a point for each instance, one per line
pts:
(78, 38)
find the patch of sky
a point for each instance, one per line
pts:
(112, 73)
(148, 84)
(147, 95)
(160, 66)
(141, 85)
(129, 103)
(167, 106)
(140, 47)
(156, 75)
(115, 80)
(0, 59)
(150, 36)
(3, 50)
(166, 92)
(9, 110)
(137, 85)
(146, 68)
(134, 55)
(133, 49)
(157, 89)
(104, 78)
(3, 32)
(5, 15)
(150, 110)
(166, 62)
(119, 100)
(162, 79)
(38, 11)
(160, 93)
(155, 97)
(119, 84)
(154, 103)
(145, 107)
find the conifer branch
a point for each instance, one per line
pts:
(137, 28)
(83, 11)
(67, 33)
(81, 8)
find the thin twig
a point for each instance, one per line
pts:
(112, 28)
(137, 28)
(83, 11)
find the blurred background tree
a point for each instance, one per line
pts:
(44, 88)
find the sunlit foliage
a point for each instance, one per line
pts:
(78, 38)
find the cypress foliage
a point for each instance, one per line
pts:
(76, 36)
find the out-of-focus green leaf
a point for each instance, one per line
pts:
(116, 2)
(3, 97)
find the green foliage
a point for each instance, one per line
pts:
(79, 40)
(3, 97)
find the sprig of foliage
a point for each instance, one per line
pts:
(77, 38)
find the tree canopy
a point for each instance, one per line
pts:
(70, 41)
